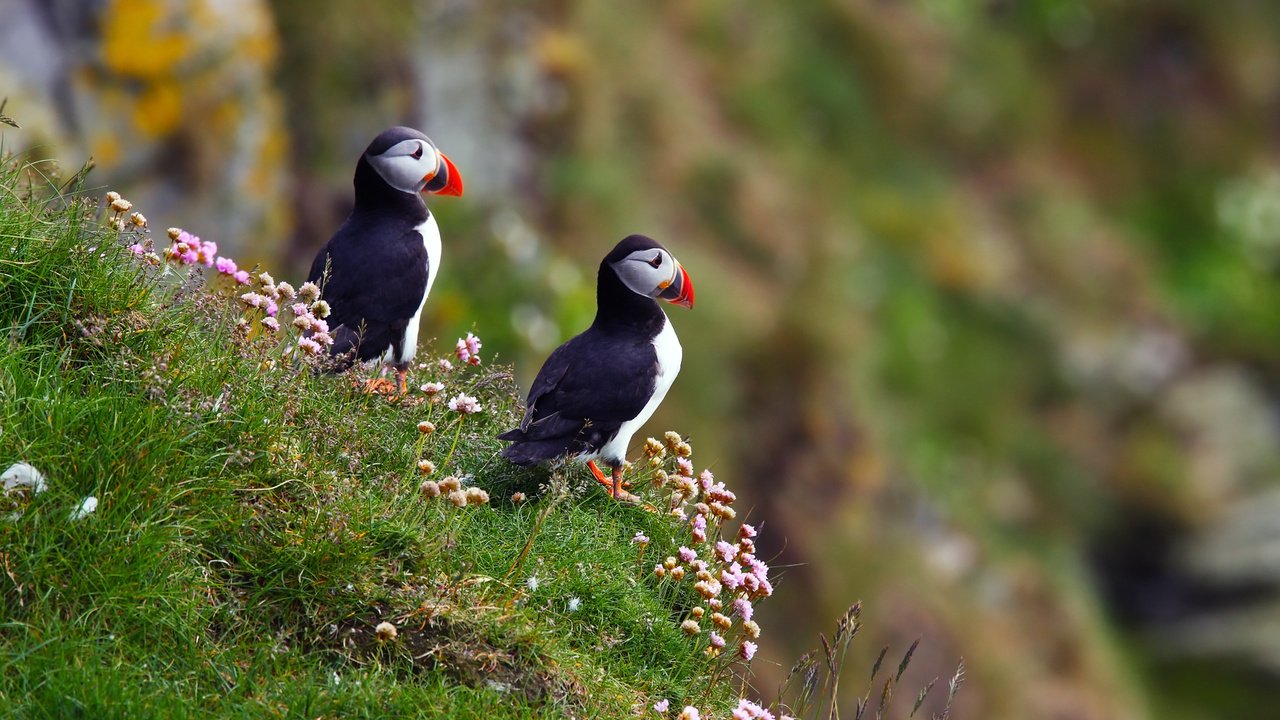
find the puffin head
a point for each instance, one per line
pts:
(648, 269)
(408, 161)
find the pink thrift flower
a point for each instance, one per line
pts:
(717, 642)
(189, 256)
(689, 713)
(746, 531)
(206, 253)
(731, 576)
(766, 588)
(684, 466)
(468, 349)
(661, 706)
(241, 277)
(699, 526)
(323, 338)
(271, 324)
(137, 249)
(298, 309)
(253, 299)
(465, 404)
(726, 551)
(311, 347)
(226, 266)
(640, 539)
(686, 555)
(747, 650)
(742, 607)
(698, 565)
(432, 388)
(445, 365)
(706, 479)
(272, 308)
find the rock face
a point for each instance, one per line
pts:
(172, 99)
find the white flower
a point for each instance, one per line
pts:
(465, 404)
(21, 474)
(87, 506)
(532, 583)
(574, 604)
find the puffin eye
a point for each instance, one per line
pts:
(417, 154)
(656, 261)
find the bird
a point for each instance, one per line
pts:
(594, 391)
(378, 268)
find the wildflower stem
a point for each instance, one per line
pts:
(454, 445)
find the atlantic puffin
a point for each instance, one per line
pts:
(377, 269)
(597, 389)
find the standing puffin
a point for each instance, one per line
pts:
(597, 389)
(378, 267)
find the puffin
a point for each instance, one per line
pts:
(594, 391)
(377, 269)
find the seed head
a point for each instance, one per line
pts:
(112, 196)
(431, 489)
(698, 611)
(320, 309)
(450, 483)
(751, 628)
(286, 290)
(659, 570)
(386, 631)
(677, 573)
(477, 496)
(518, 497)
(173, 233)
(690, 627)
(426, 427)
(672, 439)
(721, 620)
(426, 467)
(458, 498)
(138, 219)
(309, 292)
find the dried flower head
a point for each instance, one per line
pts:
(721, 620)
(386, 631)
(677, 572)
(477, 496)
(426, 467)
(450, 483)
(672, 439)
(121, 205)
(308, 292)
(653, 448)
(270, 324)
(659, 570)
(751, 628)
(518, 497)
(426, 427)
(458, 498)
(431, 488)
(138, 219)
(112, 196)
(432, 388)
(689, 713)
(320, 309)
(690, 627)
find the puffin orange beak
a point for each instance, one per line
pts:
(452, 179)
(679, 292)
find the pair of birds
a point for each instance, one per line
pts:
(594, 391)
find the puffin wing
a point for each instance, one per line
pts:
(372, 288)
(588, 380)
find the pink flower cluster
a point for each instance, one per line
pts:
(734, 578)
(468, 349)
(748, 710)
(188, 249)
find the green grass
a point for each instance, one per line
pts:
(258, 520)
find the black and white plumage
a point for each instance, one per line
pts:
(378, 268)
(597, 389)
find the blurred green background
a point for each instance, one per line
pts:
(988, 323)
